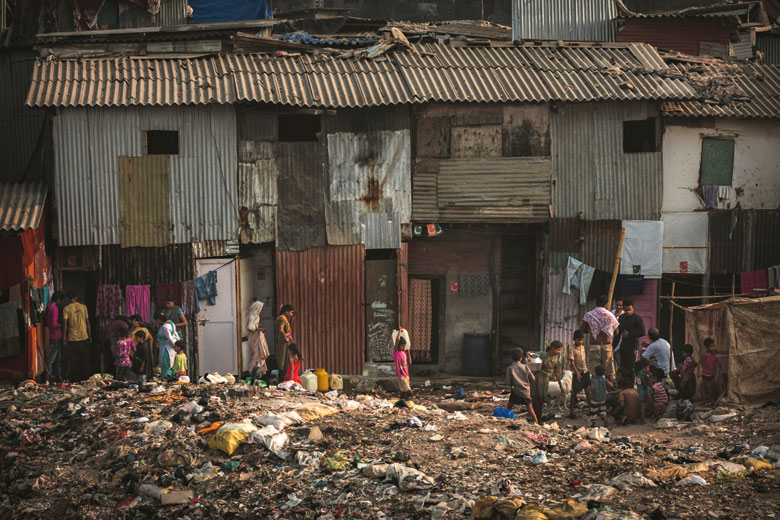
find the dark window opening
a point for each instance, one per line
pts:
(298, 128)
(162, 142)
(639, 136)
(717, 161)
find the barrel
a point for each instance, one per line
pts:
(476, 354)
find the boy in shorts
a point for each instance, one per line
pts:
(519, 377)
(579, 369)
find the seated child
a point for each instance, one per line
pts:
(660, 396)
(180, 361)
(628, 410)
(138, 365)
(684, 378)
(598, 396)
(519, 377)
(293, 372)
(642, 369)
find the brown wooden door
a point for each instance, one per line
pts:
(381, 308)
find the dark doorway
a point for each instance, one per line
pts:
(684, 285)
(424, 318)
(381, 305)
(517, 295)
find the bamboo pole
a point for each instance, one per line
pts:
(616, 268)
(703, 297)
(671, 313)
(733, 283)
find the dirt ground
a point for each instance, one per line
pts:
(85, 451)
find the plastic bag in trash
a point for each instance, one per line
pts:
(626, 480)
(308, 458)
(457, 416)
(503, 413)
(191, 408)
(158, 427)
(279, 421)
(408, 478)
(599, 434)
(414, 422)
(230, 436)
(598, 492)
(692, 480)
(540, 457)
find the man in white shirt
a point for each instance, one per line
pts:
(659, 352)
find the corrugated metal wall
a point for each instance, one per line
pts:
(592, 177)
(593, 242)
(769, 45)
(146, 265)
(682, 35)
(368, 172)
(89, 141)
(20, 127)
(300, 216)
(743, 240)
(578, 20)
(327, 287)
(172, 12)
(257, 191)
(562, 310)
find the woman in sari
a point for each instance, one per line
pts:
(284, 337)
(256, 339)
(166, 337)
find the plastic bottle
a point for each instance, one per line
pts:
(309, 381)
(322, 379)
(336, 383)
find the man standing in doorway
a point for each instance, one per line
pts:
(77, 335)
(601, 325)
(632, 327)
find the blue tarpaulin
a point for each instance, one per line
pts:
(212, 11)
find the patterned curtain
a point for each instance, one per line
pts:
(420, 319)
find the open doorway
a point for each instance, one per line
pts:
(424, 318)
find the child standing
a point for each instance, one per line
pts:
(708, 366)
(138, 363)
(180, 361)
(550, 368)
(294, 366)
(579, 369)
(597, 396)
(660, 396)
(642, 369)
(125, 347)
(684, 378)
(402, 362)
(519, 377)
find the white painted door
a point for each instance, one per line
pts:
(217, 324)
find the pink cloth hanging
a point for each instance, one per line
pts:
(751, 280)
(137, 301)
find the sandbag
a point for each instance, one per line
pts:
(409, 478)
(230, 436)
(483, 508)
(507, 507)
(313, 411)
(569, 509)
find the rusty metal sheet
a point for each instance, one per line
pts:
(258, 174)
(564, 20)
(381, 230)
(327, 287)
(144, 210)
(145, 265)
(21, 205)
(300, 217)
(479, 141)
(498, 188)
(600, 243)
(562, 310)
(403, 284)
(369, 172)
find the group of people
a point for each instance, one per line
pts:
(616, 375)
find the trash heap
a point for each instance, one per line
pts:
(109, 449)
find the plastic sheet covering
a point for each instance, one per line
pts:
(685, 248)
(212, 11)
(643, 247)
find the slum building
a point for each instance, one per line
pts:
(442, 186)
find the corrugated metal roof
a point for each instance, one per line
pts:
(88, 143)
(368, 172)
(768, 43)
(529, 72)
(592, 176)
(740, 10)
(21, 205)
(576, 20)
(728, 89)
(326, 285)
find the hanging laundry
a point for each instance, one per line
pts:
(36, 305)
(188, 297)
(630, 285)
(773, 277)
(163, 290)
(709, 194)
(206, 288)
(109, 301)
(750, 281)
(137, 301)
(600, 284)
(580, 276)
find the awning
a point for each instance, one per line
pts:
(21, 205)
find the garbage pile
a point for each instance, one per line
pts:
(109, 449)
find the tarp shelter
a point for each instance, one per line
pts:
(745, 331)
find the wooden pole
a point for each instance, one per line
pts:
(733, 283)
(671, 314)
(616, 268)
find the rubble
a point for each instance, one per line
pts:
(102, 450)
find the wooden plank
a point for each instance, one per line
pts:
(144, 201)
